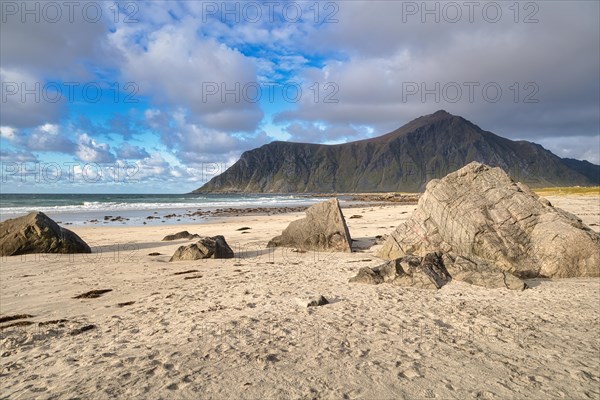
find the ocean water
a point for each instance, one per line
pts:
(79, 209)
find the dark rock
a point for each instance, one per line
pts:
(465, 270)
(14, 317)
(181, 235)
(37, 233)
(324, 228)
(317, 301)
(434, 268)
(92, 294)
(367, 275)
(192, 277)
(206, 247)
(190, 271)
(421, 272)
(83, 329)
(312, 302)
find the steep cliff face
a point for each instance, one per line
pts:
(403, 160)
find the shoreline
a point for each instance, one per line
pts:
(185, 215)
(173, 213)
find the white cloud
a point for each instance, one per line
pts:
(18, 156)
(47, 137)
(8, 133)
(583, 148)
(369, 54)
(51, 129)
(26, 101)
(326, 133)
(178, 68)
(55, 48)
(128, 151)
(381, 57)
(155, 168)
(195, 143)
(89, 150)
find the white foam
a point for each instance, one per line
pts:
(203, 203)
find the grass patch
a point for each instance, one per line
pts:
(565, 191)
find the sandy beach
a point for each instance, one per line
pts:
(237, 328)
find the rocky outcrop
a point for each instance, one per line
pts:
(324, 228)
(37, 233)
(404, 160)
(180, 235)
(462, 269)
(478, 213)
(430, 272)
(206, 247)
(419, 272)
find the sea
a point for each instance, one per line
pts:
(134, 209)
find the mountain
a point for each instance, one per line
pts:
(586, 168)
(403, 160)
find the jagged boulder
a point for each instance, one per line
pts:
(206, 247)
(180, 235)
(480, 214)
(324, 228)
(465, 270)
(430, 272)
(38, 233)
(420, 272)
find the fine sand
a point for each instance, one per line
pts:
(236, 329)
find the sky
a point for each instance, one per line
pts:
(159, 96)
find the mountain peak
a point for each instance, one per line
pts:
(430, 120)
(442, 113)
(404, 160)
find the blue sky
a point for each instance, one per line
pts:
(169, 91)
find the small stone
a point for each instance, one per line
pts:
(313, 302)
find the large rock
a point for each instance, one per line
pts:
(207, 247)
(420, 272)
(324, 228)
(37, 233)
(430, 272)
(180, 235)
(480, 214)
(465, 270)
